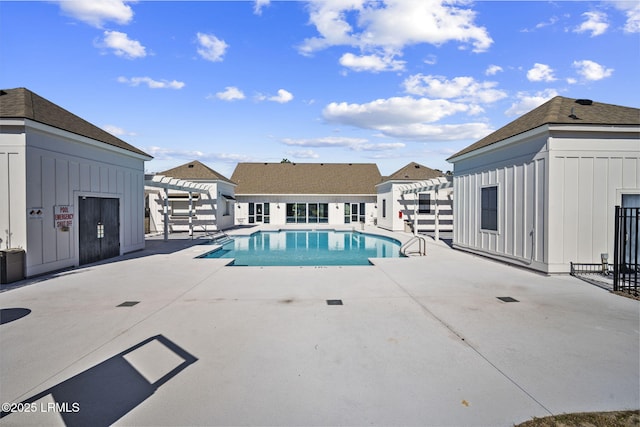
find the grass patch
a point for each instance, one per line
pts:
(588, 419)
(627, 295)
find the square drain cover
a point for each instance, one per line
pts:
(128, 304)
(507, 299)
(334, 302)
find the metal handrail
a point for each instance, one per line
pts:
(422, 245)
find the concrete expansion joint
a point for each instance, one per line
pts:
(451, 329)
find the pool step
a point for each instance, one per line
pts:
(220, 237)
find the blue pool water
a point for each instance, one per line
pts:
(307, 247)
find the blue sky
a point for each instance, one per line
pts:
(388, 82)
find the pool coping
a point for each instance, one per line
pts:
(279, 229)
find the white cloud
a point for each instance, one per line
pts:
(431, 60)
(492, 70)
(354, 144)
(161, 153)
(211, 48)
(632, 10)
(231, 93)
(550, 22)
(117, 131)
(396, 110)
(592, 71)
(460, 88)
(407, 118)
(151, 83)
(282, 97)
(393, 24)
(526, 102)
(328, 141)
(258, 5)
(540, 73)
(374, 63)
(97, 12)
(595, 23)
(122, 45)
(303, 154)
(441, 132)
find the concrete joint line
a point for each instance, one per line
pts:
(30, 391)
(456, 333)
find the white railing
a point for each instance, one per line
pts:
(422, 246)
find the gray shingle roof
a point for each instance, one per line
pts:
(560, 110)
(414, 172)
(306, 178)
(195, 170)
(21, 103)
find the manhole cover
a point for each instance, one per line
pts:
(334, 302)
(128, 304)
(507, 299)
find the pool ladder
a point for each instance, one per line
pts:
(219, 237)
(422, 246)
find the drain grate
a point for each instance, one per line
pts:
(128, 304)
(507, 299)
(334, 302)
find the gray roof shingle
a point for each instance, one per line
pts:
(560, 110)
(195, 170)
(21, 103)
(306, 178)
(414, 172)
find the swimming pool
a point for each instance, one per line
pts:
(306, 248)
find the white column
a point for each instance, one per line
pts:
(437, 218)
(165, 211)
(190, 214)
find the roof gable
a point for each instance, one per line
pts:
(195, 170)
(306, 178)
(560, 110)
(414, 171)
(21, 103)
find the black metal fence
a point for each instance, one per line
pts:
(625, 251)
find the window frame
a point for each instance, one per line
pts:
(421, 203)
(489, 216)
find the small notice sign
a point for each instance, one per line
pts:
(63, 217)
(34, 213)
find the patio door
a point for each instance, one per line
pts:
(259, 213)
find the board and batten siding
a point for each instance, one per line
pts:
(521, 214)
(519, 172)
(45, 168)
(557, 192)
(588, 181)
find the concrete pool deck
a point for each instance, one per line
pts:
(418, 341)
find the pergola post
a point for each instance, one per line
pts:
(437, 218)
(165, 212)
(190, 214)
(415, 213)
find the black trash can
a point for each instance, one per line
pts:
(11, 265)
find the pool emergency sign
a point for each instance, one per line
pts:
(63, 216)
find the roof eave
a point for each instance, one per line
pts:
(499, 144)
(306, 194)
(84, 139)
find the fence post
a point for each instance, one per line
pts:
(616, 251)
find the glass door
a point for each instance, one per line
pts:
(259, 213)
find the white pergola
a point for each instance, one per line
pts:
(428, 185)
(169, 183)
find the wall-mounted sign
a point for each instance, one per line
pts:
(34, 213)
(63, 217)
